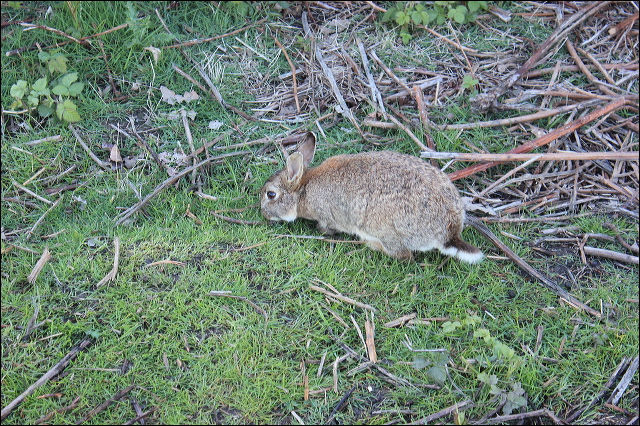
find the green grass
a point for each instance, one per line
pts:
(208, 359)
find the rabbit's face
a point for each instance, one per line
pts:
(276, 201)
(280, 195)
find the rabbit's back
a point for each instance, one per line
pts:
(381, 194)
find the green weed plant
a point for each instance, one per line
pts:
(50, 94)
(409, 14)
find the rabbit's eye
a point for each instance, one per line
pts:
(271, 195)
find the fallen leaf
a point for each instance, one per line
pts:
(215, 125)
(114, 154)
(155, 52)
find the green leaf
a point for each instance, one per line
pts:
(483, 333)
(68, 79)
(495, 390)
(19, 89)
(438, 374)
(45, 111)
(462, 9)
(60, 90)
(406, 37)
(456, 16)
(471, 320)
(488, 379)
(93, 333)
(449, 326)
(389, 14)
(475, 6)
(503, 350)
(40, 85)
(402, 18)
(517, 388)
(48, 102)
(468, 82)
(68, 111)
(32, 101)
(416, 17)
(58, 63)
(421, 362)
(44, 56)
(76, 88)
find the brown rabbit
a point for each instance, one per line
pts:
(395, 202)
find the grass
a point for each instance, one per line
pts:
(209, 359)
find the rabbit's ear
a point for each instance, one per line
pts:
(295, 168)
(308, 148)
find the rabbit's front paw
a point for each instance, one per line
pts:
(326, 230)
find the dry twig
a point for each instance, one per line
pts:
(343, 298)
(116, 261)
(54, 371)
(118, 395)
(46, 255)
(546, 281)
(232, 296)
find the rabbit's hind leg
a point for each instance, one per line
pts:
(396, 250)
(390, 247)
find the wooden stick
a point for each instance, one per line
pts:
(408, 132)
(369, 331)
(555, 156)
(424, 119)
(344, 109)
(216, 93)
(46, 255)
(39, 221)
(30, 192)
(585, 70)
(141, 416)
(388, 71)
(116, 261)
(612, 227)
(85, 43)
(624, 382)
(72, 406)
(100, 163)
(609, 254)
(376, 97)
(546, 281)
(293, 73)
(489, 98)
(623, 364)
(343, 298)
(351, 353)
(340, 404)
(56, 138)
(118, 395)
(520, 416)
(446, 412)
(171, 180)
(232, 296)
(544, 139)
(55, 370)
(521, 119)
(571, 68)
(240, 221)
(205, 40)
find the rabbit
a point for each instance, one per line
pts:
(396, 203)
